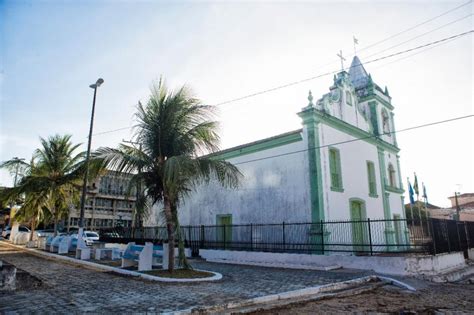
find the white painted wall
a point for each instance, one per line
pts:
(394, 265)
(273, 190)
(354, 157)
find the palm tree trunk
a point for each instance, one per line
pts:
(170, 228)
(33, 223)
(182, 260)
(55, 222)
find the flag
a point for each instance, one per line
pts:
(425, 196)
(415, 186)
(410, 192)
(356, 41)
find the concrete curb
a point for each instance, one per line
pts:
(216, 276)
(224, 308)
(277, 265)
(397, 283)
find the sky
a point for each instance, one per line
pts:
(51, 51)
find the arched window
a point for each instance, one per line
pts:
(385, 123)
(391, 175)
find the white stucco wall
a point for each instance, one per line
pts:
(354, 157)
(273, 190)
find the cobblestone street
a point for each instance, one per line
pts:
(69, 288)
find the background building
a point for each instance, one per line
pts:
(108, 203)
(466, 208)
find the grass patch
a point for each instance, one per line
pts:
(179, 274)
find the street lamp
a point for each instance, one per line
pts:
(86, 173)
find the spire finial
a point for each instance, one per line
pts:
(310, 99)
(356, 42)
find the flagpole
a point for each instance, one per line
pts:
(417, 191)
(411, 205)
(425, 197)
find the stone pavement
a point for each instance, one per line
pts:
(69, 288)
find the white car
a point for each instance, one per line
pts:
(89, 237)
(6, 233)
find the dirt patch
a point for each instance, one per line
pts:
(444, 298)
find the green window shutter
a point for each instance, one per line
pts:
(335, 169)
(372, 181)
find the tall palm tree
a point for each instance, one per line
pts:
(173, 129)
(53, 179)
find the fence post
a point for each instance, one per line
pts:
(322, 236)
(251, 236)
(370, 237)
(433, 237)
(459, 236)
(284, 240)
(202, 236)
(468, 240)
(224, 236)
(447, 232)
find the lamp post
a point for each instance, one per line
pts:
(86, 172)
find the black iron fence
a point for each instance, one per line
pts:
(364, 237)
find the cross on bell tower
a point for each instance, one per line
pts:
(342, 59)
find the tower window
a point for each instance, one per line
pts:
(385, 123)
(391, 176)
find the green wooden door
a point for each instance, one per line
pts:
(224, 229)
(359, 227)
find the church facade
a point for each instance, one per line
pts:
(343, 164)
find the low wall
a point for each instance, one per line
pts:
(392, 265)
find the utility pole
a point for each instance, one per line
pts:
(458, 210)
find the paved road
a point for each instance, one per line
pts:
(69, 288)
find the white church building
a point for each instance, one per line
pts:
(343, 164)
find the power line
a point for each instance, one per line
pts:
(336, 71)
(414, 54)
(358, 139)
(418, 36)
(415, 26)
(110, 131)
(402, 32)
(322, 75)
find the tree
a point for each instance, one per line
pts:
(173, 129)
(52, 180)
(417, 209)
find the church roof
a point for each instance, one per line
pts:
(259, 145)
(357, 74)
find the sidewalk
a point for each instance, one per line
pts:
(69, 288)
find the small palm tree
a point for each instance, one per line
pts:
(173, 130)
(53, 179)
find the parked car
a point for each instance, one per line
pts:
(43, 233)
(6, 233)
(89, 237)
